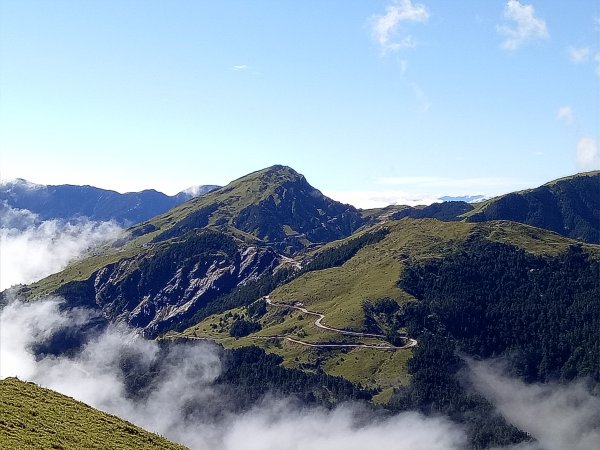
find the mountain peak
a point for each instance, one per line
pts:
(280, 168)
(276, 205)
(272, 174)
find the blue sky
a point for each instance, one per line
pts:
(374, 101)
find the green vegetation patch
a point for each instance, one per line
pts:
(32, 417)
(533, 240)
(375, 369)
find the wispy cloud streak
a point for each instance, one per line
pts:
(521, 25)
(386, 27)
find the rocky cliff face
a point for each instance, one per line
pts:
(156, 291)
(296, 211)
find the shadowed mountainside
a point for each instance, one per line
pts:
(569, 206)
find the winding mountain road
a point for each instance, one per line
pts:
(319, 324)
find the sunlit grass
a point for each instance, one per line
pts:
(32, 417)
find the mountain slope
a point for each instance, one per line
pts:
(69, 201)
(569, 206)
(373, 272)
(36, 418)
(167, 269)
(493, 289)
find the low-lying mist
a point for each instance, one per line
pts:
(31, 249)
(94, 374)
(182, 401)
(558, 416)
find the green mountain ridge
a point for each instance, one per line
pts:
(569, 206)
(536, 287)
(341, 289)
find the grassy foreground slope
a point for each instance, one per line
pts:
(32, 417)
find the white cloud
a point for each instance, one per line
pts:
(557, 416)
(425, 190)
(524, 25)
(565, 114)
(340, 429)
(378, 199)
(241, 67)
(587, 153)
(386, 27)
(184, 404)
(435, 183)
(16, 218)
(31, 250)
(579, 54)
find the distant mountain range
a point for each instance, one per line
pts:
(69, 201)
(569, 206)
(464, 198)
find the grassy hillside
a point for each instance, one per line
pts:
(32, 417)
(484, 289)
(372, 273)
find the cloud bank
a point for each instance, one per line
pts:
(378, 199)
(425, 190)
(183, 402)
(31, 250)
